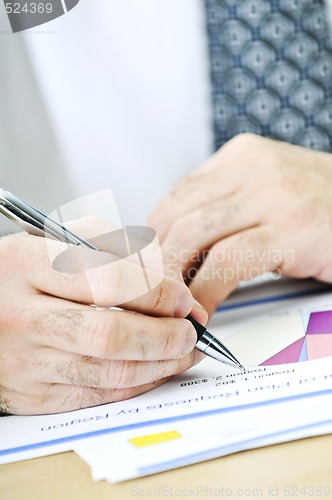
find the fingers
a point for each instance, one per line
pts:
(222, 175)
(242, 256)
(57, 398)
(42, 372)
(189, 194)
(109, 334)
(73, 382)
(59, 354)
(197, 231)
(106, 286)
(255, 197)
(84, 371)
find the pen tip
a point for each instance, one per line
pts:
(242, 368)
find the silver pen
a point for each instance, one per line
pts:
(36, 223)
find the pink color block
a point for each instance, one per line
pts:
(319, 346)
(320, 322)
(290, 354)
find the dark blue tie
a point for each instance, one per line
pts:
(271, 70)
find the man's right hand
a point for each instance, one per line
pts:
(58, 353)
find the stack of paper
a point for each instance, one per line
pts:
(211, 410)
(259, 409)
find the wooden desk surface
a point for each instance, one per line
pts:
(301, 469)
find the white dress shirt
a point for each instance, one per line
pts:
(125, 88)
(115, 94)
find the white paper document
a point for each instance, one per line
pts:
(160, 447)
(211, 410)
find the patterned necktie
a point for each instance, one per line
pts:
(271, 69)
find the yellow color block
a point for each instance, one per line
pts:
(154, 438)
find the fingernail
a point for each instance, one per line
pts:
(183, 305)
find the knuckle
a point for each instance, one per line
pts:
(166, 369)
(162, 370)
(167, 344)
(74, 398)
(123, 374)
(266, 162)
(170, 343)
(85, 372)
(106, 339)
(244, 139)
(182, 230)
(176, 193)
(161, 301)
(107, 284)
(69, 372)
(92, 396)
(158, 300)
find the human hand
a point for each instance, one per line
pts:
(256, 205)
(58, 353)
